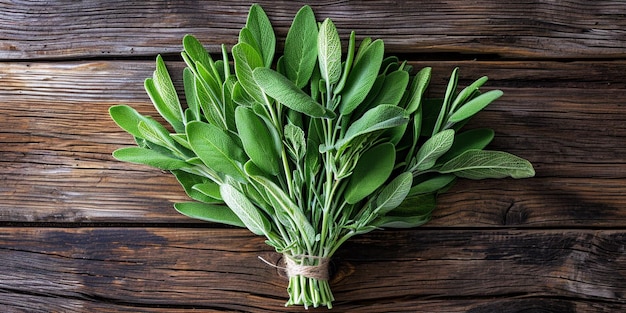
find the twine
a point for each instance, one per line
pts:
(319, 271)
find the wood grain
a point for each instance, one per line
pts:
(566, 118)
(141, 269)
(531, 29)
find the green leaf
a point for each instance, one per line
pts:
(216, 149)
(480, 164)
(372, 170)
(476, 139)
(209, 189)
(420, 82)
(362, 77)
(195, 53)
(259, 143)
(389, 221)
(188, 180)
(467, 92)
(149, 157)
(246, 60)
(128, 119)
(286, 92)
(347, 64)
(433, 148)
(209, 212)
(285, 207)
(474, 106)
(189, 83)
(250, 215)
(329, 52)
(392, 195)
(445, 106)
(261, 29)
(164, 97)
(393, 88)
(432, 185)
(295, 138)
(156, 133)
(377, 118)
(300, 53)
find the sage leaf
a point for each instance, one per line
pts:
(283, 204)
(189, 84)
(377, 118)
(259, 143)
(329, 52)
(209, 189)
(149, 157)
(362, 77)
(195, 53)
(474, 106)
(300, 53)
(420, 82)
(249, 215)
(188, 180)
(467, 92)
(217, 149)
(163, 95)
(433, 148)
(480, 164)
(128, 119)
(371, 171)
(347, 64)
(286, 92)
(389, 221)
(246, 60)
(394, 193)
(393, 88)
(263, 33)
(209, 212)
(445, 106)
(472, 139)
(432, 185)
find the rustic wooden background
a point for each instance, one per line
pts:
(81, 232)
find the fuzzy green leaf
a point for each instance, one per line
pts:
(209, 212)
(300, 53)
(394, 193)
(420, 82)
(476, 139)
(263, 33)
(433, 148)
(362, 77)
(259, 143)
(393, 88)
(480, 164)
(377, 118)
(371, 171)
(149, 157)
(249, 215)
(474, 106)
(286, 92)
(432, 185)
(163, 95)
(467, 92)
(329, 52)
(188, 181)
(216, 149)
(246, 60)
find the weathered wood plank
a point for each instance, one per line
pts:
(567, 118)
(141, 269)
(538, 29)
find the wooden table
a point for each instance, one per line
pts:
(81, 232)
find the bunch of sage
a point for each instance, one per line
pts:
(314, 147)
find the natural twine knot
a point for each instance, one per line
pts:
(319, 271)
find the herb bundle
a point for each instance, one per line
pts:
(313, 147)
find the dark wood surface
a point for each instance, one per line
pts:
(81, 232)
